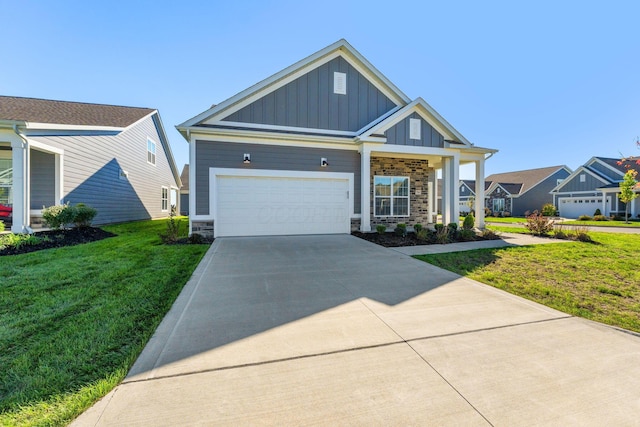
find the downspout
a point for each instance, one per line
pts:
(25, 181)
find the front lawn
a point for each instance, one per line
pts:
(507, 220)
(595, 281)
(74, 319)
(632, 223)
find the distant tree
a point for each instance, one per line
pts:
(627, 193)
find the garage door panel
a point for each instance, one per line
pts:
(273, 206)
(574, 207)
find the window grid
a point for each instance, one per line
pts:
(151, 152)
(391, 196)
(165, 199)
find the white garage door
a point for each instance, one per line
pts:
(575, 206)
(262, 206)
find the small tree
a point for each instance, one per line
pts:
(627, 193)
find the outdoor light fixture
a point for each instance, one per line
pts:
(247, 158)
(323, 162)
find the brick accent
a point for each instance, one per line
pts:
(418, 172)
(204, 228)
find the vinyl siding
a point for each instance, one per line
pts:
(538, 196)
(229, 155)
(606, 171)
(309, 102)
(399, 134)
(43, 179)
(590, 183)
(92, 164)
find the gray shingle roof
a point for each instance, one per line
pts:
(527, 178)
(629, 164)
(36, 110)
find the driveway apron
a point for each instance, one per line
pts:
(334, 330)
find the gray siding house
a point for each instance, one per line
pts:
(116, 159)
(327, 145)
(184, 191)
(595, 185)
(525, 191)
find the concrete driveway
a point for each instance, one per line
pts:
(333, 330)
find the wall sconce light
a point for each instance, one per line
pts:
(247, 158)
(323, 162)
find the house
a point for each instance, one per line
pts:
(184, 191)
(115, 159)
(467, 196)
(595, 185)
(521, 192)
(327, 145)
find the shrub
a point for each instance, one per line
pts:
(442, 234)
(487, 212)
(417, 228)
(453, 231)
(506, 214)
(401, 229)
(527, 213)
(584, 218)
(422, 234)
(489, 234)
(58, 216)
(600, 218)
(548, 210)
(468, 222)
(83, 215)
(617, 218)
(381, 229)
(559, 233)
(18, 240)
(438, 227)
(196, 239)
(467, 235)
(597, 213)
(173, 229)
(538, 225)
(581, 234)
(1, 226)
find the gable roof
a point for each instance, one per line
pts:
(525, 179)
(616, 164)
(34, 110)
(270, 84)
(184, 177)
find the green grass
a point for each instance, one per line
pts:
(507, 229)
(507, 220)
(632, 223)
(594, 281)
(73, 320)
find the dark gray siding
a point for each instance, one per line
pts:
(538, 196)
(604, 170)
(399, 134)
(590, 183)
(229, 155)
(309, 102)
(92, 165)
(43, 179)
(184, 204)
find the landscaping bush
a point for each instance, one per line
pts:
(453, 231)
(597, 213)
(417, 228)
(83, 215)
(401, 229)
(466, 235)
(559, 233)
(442, 234)
(506, 214)
(581, 234)
(548, 210)
(1, 226)
(381, 229)
(487, 212)
(468, 222)
(58, 216)
(584, 218)
(538, 225)
(173, 229)
(197, 239)
(600, 218)
(438, 227)
(422, 234)
(488, 234)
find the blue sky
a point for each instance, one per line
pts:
(544, 82)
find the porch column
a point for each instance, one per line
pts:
(450, 189)
(432, 198)
(365, 189)
(20, 165)
(604, 204)
(479, 190)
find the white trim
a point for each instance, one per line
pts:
(275, 139)
(283, 128)
(597, 159)
(155, 151)
(391, 197)
(162, 199)
(57, 126)
(44, 147)
(575, 173)
(270, 173)
(280, 138)
(192, 182)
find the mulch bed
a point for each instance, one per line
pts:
(391, 240)
(60, 238)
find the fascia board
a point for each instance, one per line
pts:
(256, 137)
(341, 47)
(64, 127)
(167, 148)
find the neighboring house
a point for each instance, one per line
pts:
(521, 192)
(595, 185)
(184, 191)
(115, 159)
(326, 145)
(467, 199)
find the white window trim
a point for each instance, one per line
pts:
(339, 83)
(391, 197)
(164, 200)
(415, 131)
(155, 151)
(504, 204)
(583, 178)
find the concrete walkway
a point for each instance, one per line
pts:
(334, 330)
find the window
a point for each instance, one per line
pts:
(391, 195)
(165, 199)
(583, 178)
(462, 189)
(6, 178)
(414, 128)
(498, 205)
(559, 180)
(151, 152)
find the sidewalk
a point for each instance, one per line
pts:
(508, 239)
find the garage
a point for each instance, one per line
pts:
(573, 207)
(265, 203)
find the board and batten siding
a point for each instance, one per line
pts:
(92, 165)
(272, 157)
(590, 183)
(43, 179)
(539, 195)
(399, 134)
(310, 102)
